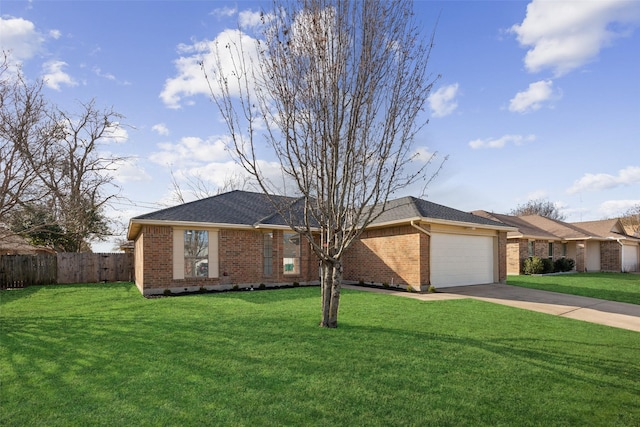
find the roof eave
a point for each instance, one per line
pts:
(135, 225)
(442, 222)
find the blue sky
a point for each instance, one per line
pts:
(537, 99)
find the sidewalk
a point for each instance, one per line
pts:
(610, 313)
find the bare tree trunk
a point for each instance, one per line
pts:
(331, 283)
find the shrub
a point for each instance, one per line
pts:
(262, 286)
(548, 266)
(410, 288)
(533, 265)
(432, 289)
(385, 285)
(235, 287)
(564, 264)
(296, 284)
(167, 292)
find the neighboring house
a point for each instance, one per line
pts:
(594, 245)
(239, 239)
(620, 251)
(13, 244)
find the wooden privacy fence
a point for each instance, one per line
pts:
(18, 271)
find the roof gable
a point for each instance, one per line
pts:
(604, 228)
(407, 208)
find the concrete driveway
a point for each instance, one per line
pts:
(616, 314)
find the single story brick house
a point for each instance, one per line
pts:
(594, 245)
(239, 239)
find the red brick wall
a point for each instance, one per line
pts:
(240, 257)
(502, 256)
(395, 254)
(610, 256)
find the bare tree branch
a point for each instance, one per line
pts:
(336, 89)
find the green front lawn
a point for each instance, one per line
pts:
(622, 287)
(104, 355)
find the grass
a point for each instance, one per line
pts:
(104, 355)
(622, 287)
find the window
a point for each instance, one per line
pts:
(564, 250)
(196, 253)
(267, 254)
(291, 253)
(550, 250)
(531, 247)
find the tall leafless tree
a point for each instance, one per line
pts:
(336, 90)
(26, 133)
(540, 207)
(54, 180)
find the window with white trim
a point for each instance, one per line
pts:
(291, 253)
(196, 253)
(550, 250)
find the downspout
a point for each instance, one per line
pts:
(417, 227)
(423, 230)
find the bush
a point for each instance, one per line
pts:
(167, 292)
(548, 266)
(410, 288)
(564, 264)
(533, 265)
(262, 286)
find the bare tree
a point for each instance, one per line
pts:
(26, 133)
(196, 187)
(540, 207)
(336, 90)
(631, 220)
(54, 181)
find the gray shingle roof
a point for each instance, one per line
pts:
(236, 207)
(411, 207)
(253, 209)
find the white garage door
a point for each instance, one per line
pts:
(629, 258)
(458, 260)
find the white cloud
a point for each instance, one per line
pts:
(116, 134)
(443, 101)
(501, 142)
(616, 208)
(424, 155)
(54, 76)
(604, 181)
(532, 98)
(98, 71)
(564, 35)
(128, 170)
(190, 79)
(191, 151)
(250, 19)
(55, 34)
(160, 129)
(224, 12)
(20, 37)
